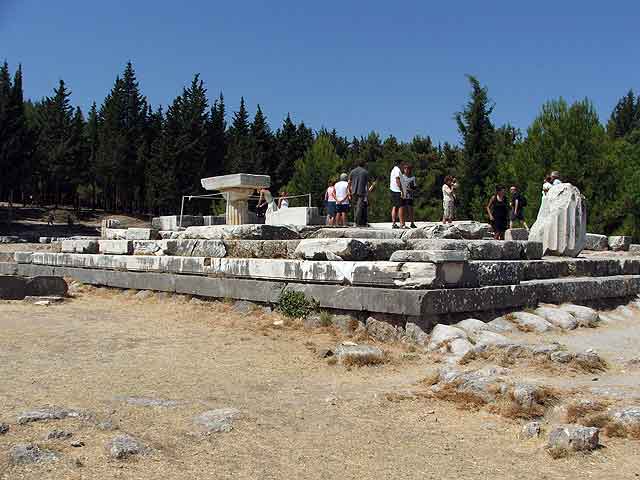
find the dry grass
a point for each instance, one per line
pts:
(610, 427)
(578, 411)
(508, 407)
(464, 399)
(557, 452)
(365, 360)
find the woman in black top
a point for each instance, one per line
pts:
(498, 210)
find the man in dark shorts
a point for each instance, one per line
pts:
(359, 187)
(395, 185)
(518, 202)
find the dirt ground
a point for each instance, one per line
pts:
(302, 418)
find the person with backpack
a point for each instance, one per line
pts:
(518, 202)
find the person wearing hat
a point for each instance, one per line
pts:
(342, 200)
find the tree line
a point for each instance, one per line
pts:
(126, 155)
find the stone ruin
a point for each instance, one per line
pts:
(424, 275)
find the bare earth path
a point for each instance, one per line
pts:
(301, 417)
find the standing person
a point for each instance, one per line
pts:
(358, 189)
(498, 210)
(448, 200)
(409, 187)
(283, 202)
(330, 202)
(518, 202)
(50, 218)
(342, 200)
(395, 185)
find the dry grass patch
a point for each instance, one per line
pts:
(611, 427)
(578, 411)
(365, 360)
(507, 405)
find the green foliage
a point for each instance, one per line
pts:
(313, 170)
(296, 304)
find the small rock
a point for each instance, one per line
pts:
(49, 413)
(590, 359)
(4, 428)
(106, 425)
(266, 310)
(144, 294)
(278, 323)
(344, 323)
(529, 321)
(472, 325)
(58, 435)
(124, 446)
(149, 402)
(557, 317)
(415, 334)
(501, 324)
(586, 317)
(128, 293)
(77, 444)
(485, 337)
(313, 321)
(243, 306)
(216, 421)
(531, 430)
(574, 438)
(546, 348)
(459, 347)
(442, 334)
(23, 454)
(629, 416)
(561, 357)
(381, 331)
(324, 353)
(197, 301)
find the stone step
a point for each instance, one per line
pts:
(388, 274)
(410, 304)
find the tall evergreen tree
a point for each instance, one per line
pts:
(625, 117)
(238, 158)
(91, 136)
(478, 168)
(160, 178)
(217, 135)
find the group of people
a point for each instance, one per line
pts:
(352, 191)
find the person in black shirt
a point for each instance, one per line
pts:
(518, 202)
(498, 210)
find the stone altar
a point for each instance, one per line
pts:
(237, 188)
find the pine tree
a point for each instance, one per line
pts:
(217, 136)
(238, 158)
(160, 178)
(478, 167)
(625, 117)
(262, 144)
(92, 139)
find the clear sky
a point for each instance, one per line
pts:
(396, 67)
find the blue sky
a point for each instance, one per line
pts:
(394, 67)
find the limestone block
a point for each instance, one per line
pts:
(434, 256)
(459, 347)
(295, 216)
(516, 234)
(80, 246)
(438, 230)
(171, 222)
(574, 438)
(501, 324)
(619, 243)
(331, 249)
(415, 334)
(443, 334)
(359, 354)
(359, 233)
(472, 325)
(530, 321)
(197, 248)
(23, 257)
(471, 230)
(561, 225)
(486, 338)
(586, 317)
(557, 317)
(115, 247)
(236, 180)
(114, 234)
(141, 234)
(154, 247)
(497, 272)
(634, 249)
(596, 242)
(382, 331)
(240, 232)
(531, 250)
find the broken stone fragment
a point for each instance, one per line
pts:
(26, 453)
(352, 354)
(574, 438)
(123, 446)
(586, 317)
(382, 331)
(531, 430)
(329, 249)
(49, 413)
(557, 317)
(443, 334)
(217, 421)
(529, 321)
(619, 243)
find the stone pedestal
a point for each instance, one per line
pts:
(237, 189)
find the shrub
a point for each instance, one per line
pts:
(296, 304)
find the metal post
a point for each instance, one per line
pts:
(309, 200)
(181, 212)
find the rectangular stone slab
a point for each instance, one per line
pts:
(236, 180)
(369, 299)
(115, 247)
(80, 246)
(141, 234)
